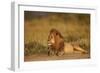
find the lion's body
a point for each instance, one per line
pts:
(68, 48)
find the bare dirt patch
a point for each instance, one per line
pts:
(44, 57)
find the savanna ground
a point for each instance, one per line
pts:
(74, 27)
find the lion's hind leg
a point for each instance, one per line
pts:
(78, 48)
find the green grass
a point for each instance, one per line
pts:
(74, 27)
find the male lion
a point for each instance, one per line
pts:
(56, 44)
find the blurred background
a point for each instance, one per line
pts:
(74, 27)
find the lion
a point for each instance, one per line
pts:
(57, 45)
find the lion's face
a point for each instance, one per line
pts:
(51, 39)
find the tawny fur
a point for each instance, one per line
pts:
(69, 48)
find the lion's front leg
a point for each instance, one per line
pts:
(59, 53)
(50, 51)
